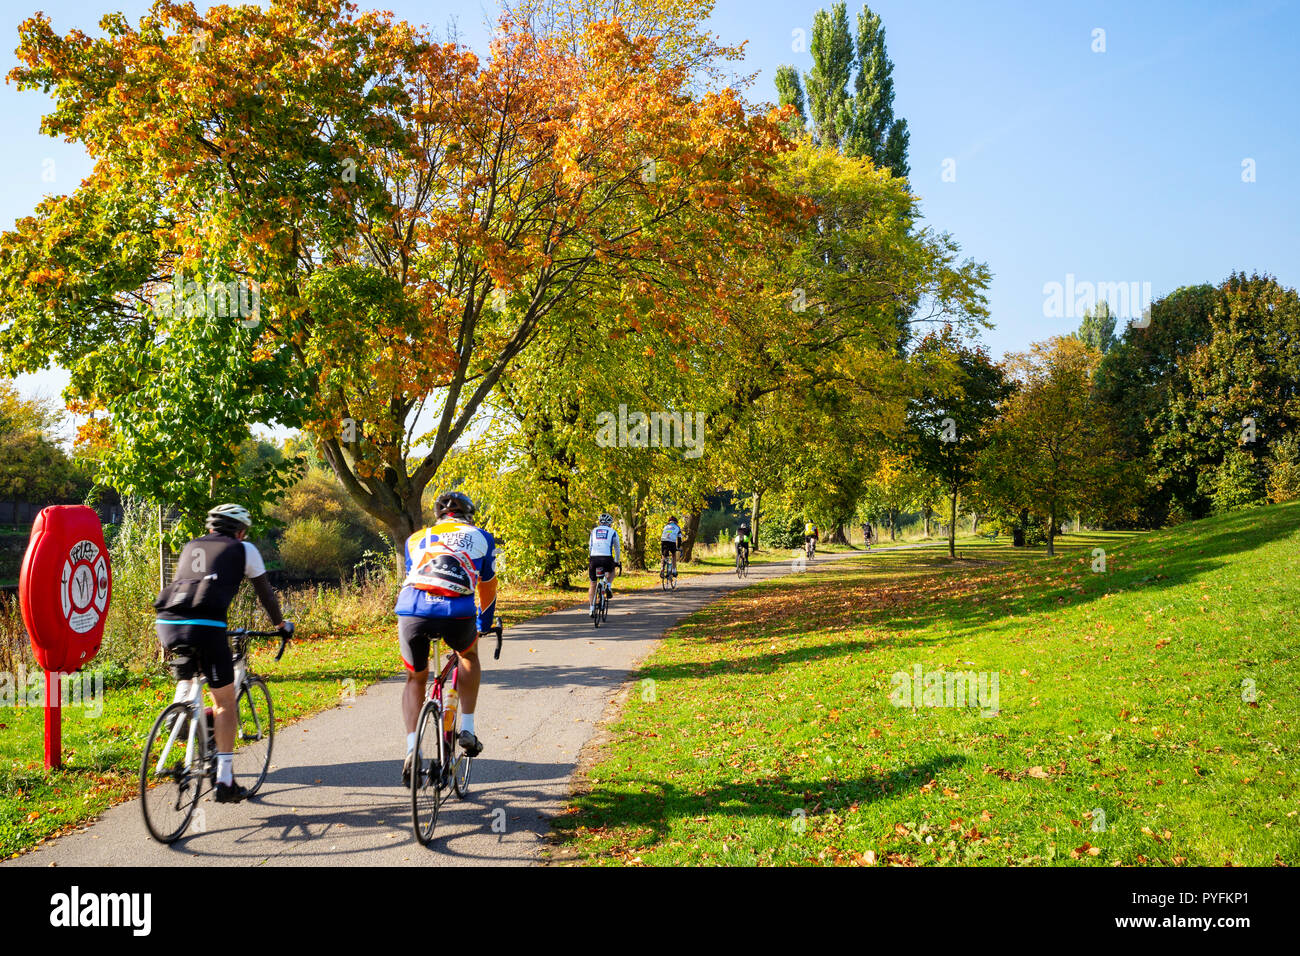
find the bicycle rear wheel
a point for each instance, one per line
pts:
(254, 734)
(169, 785)
(427, 783)
(460, 773)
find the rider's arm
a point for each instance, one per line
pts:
(616, 554)
(255, 571)
(487, 586)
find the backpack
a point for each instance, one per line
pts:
(441, 569)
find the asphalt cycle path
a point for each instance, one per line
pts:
(333, 796)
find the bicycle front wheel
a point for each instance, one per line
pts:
(169, 784)
(254, 734)
(427, 789)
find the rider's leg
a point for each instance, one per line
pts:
(467, 681)
(223, 717)
(413, 700)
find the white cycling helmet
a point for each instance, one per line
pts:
(606, 518)
(229, 517)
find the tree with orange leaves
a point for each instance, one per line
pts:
(408, 215)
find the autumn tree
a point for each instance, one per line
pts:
(410, 215)
(1053, 450)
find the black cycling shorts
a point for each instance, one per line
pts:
(667, 548)
(417, 634)
(599, 564)
(198, 647)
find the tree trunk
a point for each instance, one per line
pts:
(636, 531)
(1051, 530)
(926, 516)
(893, 515)
(753, 521)
(839, 536)
(688, 535)
(952, 526)
(974, 522)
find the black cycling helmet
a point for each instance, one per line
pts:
(453, 503)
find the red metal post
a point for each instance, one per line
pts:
(53, 722)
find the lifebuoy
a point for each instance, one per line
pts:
(65, 586)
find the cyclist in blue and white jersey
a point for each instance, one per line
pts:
(603, 553)
(670, 542)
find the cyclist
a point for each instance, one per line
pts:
(868, 534)
(743, 540)
(450, 593)
(809, 534)
(191, 622)
(670, 542)
(602, 548)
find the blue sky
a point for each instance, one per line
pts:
(1115, 166)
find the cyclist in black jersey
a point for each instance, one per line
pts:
(192, 620)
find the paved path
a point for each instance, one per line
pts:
(333, 796)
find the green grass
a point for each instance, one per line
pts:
(768, 735)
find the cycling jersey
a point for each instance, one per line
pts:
(478, 545)
(603, 542)
(808, 529)
(209, 571)
(672, 532)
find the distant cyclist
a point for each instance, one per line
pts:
(603, 553)
(450, 593)
(810, 534)
(670, 542)
(869, 535)
(743, 540)
(192, 618)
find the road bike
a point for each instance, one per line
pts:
(810, 547)
(180, 754)
(742, 561)
(436, 766)
(600, 609)
(667, 573)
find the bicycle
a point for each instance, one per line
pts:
(810, 547)
(172, 779)
(742, 562)
(668, 574)
(600, 610)
(435, 765)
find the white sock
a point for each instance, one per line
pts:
(410, 742)
(466, 722)
(224, 773)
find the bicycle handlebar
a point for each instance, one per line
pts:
(283, 634)
(495, 629)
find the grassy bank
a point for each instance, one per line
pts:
(1144, 715)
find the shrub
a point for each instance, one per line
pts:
(318, 546)
(1284, 470)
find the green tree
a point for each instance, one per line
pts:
(948, 422)
(875, 133)
(1097, 330)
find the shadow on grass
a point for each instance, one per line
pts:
(659, 802)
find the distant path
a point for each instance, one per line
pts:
(333, 796)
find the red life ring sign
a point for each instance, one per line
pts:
(65, 586)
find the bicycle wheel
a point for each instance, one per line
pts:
(254, 734)
(169, 785)
(427, 779)
(604, 608)
(663, 574)
(672, 579)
